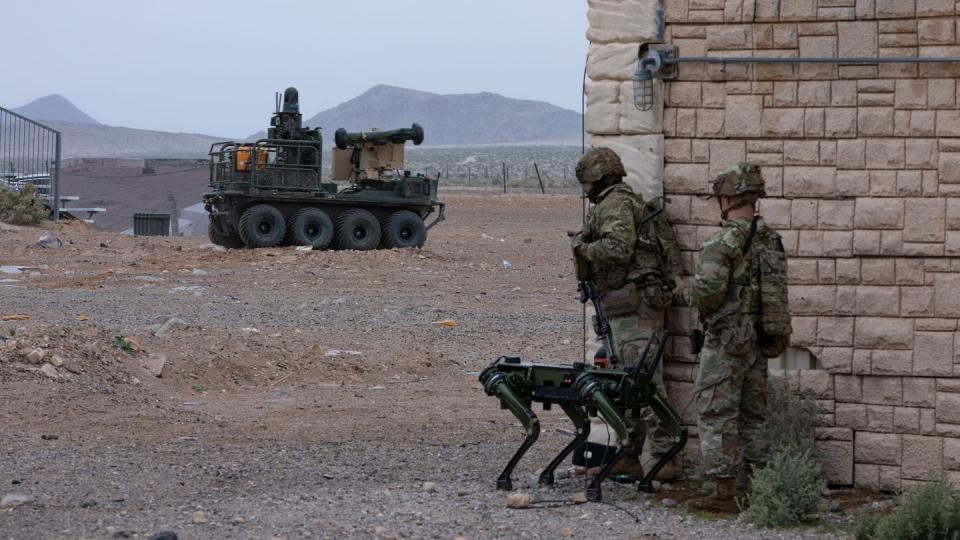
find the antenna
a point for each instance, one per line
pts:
(276, 99)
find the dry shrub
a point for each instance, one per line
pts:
(787, 490)
(930, 512)
(22, 207)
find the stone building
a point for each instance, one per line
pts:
(863, 171)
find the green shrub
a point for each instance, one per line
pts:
(22, 207)
(787, 490)
(930, 512)
(791, 419)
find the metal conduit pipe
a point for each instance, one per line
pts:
(812, 60)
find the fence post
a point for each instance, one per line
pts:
(536, 168)
(504, 176)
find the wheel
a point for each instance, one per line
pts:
(310, 227)
(261, 226)
(404, 229)
(217, 236)
(227, 241)
(358, 229)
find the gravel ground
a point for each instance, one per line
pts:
(302, 394)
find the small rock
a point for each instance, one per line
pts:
(154, 279)
(72, 366)
(134, 344)
(667, 486)
(578, 498)
(13, 500)
(304, 249)
(89, 504)
(669, 503)
(566, 533)
(657, 486)
(12, 345)
(10, 270)
(199, 517)
(516, 289)
(339, 301)
(49, 437)
(49, 240)
(49, 371)
(170, 323)
(36, 356)
(379, 530)
(506, 264)
(430, 487)
(211, 247)
(155, 364)
(164, 535)
(249, 331)
(199, 272)
(238, 520)
(519, 500)
(56, 360)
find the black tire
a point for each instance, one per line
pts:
(404, 229)
(227, 241)
(358, 229)
(262, 226)
(310, 227)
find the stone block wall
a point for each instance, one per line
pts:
(863, 171)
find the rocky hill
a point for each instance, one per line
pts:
(55, 107)
(86, 140)
(453, 119)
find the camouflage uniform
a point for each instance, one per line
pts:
(731, 384)
(628, 273)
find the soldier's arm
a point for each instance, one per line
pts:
(713, 275)
(615, 238)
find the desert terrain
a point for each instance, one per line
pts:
(318, 394)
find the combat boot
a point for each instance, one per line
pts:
(723, 499)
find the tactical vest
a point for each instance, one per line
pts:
(758, 292)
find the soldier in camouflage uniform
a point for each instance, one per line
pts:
(627, 266)
(731, 384)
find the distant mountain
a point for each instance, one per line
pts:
(86, 140)
(451, 119)
(55, 107)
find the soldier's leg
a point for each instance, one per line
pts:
(753, 410)
(631, 333)
(718, 393)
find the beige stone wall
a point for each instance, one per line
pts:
(863, 168)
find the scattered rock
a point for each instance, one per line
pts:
(337, 352)
(6, 227)
(430, 487)
(155, 364)
(169, 324)
(134, 344)
(11, 270)
(339, 301)
(304, 249)
(578, 498)
(657, 486)
(669, 503)
(566, 533)
(72, 366)
(14, 500)
(506, 264)
(164, 535)
(49, 240)
(148, 278)
(249, 331)
(49, 437)
(519, 500)
(199, 272)
(238, 520)
(89, 504)
(199, 517)
(56, 360)
(50, 371)
(211, 247)
(36, 356)
(379, 530)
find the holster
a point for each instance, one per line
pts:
(696, 341)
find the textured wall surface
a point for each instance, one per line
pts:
(863, 169)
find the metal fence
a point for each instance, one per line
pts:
(30, 154)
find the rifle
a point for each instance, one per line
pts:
(601, 327)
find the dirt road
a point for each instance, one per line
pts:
(302, 394)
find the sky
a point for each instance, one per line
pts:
(212, 66)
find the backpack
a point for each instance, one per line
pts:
(658, 229)
(768, 279)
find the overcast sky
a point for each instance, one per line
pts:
(211, 66)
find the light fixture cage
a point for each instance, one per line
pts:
(643, 97)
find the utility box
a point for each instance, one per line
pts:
(147, 224)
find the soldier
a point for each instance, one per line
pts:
(631, 267)
(731, 384)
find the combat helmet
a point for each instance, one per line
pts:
(742, 182)
(596, 165)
